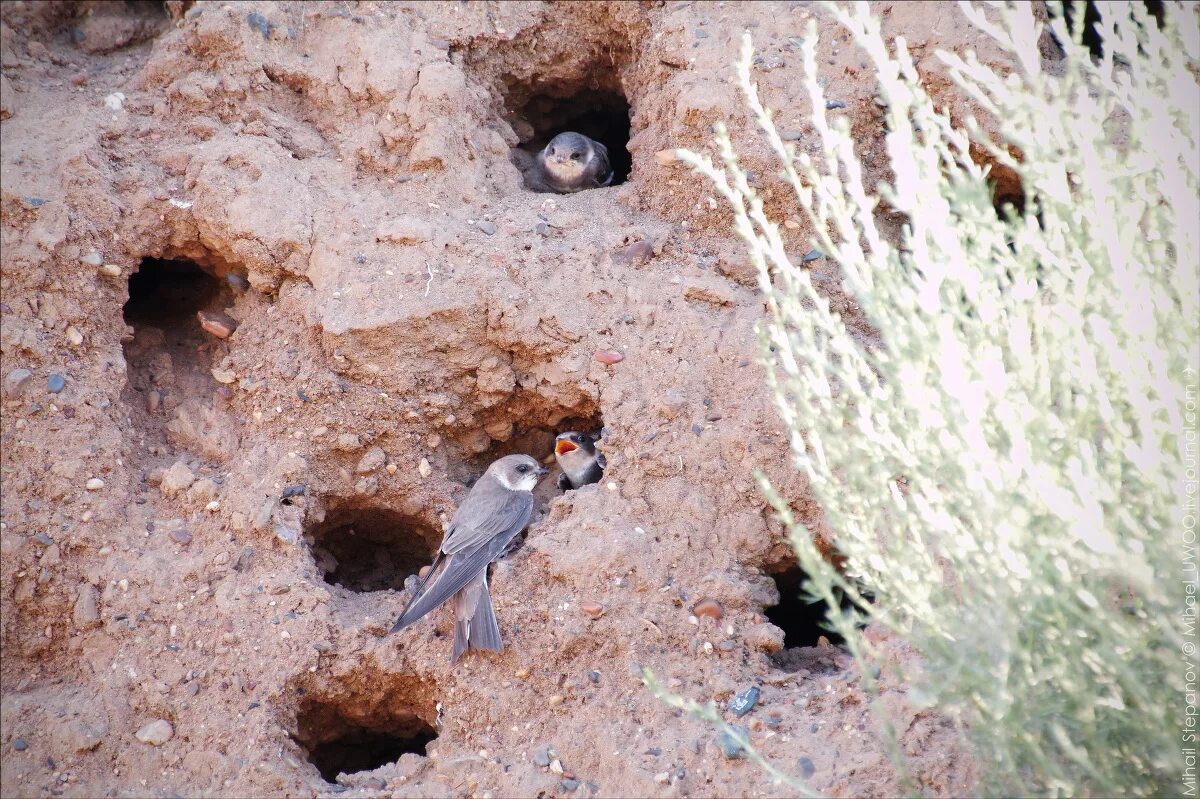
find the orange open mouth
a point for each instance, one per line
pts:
(563, 447)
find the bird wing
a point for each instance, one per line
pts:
(487, 521)
(604, 173)
(434, 570)
(490, 510)
(461, 568)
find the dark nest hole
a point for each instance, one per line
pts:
(532, 434)
(167, 294)
(535, 439)
(600, 114)
(337, 744)
(804, 623)
(164, 298)
(372, 548)
(1009, 205)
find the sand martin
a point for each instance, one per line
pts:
(572, 162)
(581, 463)
(497, 509)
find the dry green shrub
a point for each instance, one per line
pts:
(1002, 473)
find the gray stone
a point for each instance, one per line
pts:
(16, 381)
(286, 533)
(259, 23)
(543, 756)
(744, 702)
(87, 607)
(177, 479)
(730, 747)
(486, 227)
(156, 733)
(374, 459)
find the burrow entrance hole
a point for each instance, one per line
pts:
(372, 548)
(338, 743)
(528, 427)
(534, 435)
(602, 115)
(804, 623)
(167, 294)
(169, 355)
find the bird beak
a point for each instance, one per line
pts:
(563, 446)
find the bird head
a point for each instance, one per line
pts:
(517, 472)
(568, 153)
(565, 443)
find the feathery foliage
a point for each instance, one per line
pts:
(1001, 474)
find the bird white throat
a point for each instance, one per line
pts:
(566, 170)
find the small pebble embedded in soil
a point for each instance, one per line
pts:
(543, 756)
(744, 702)
(708, 608)
(156, 733)
(219, 324)
(609, 357)
(15, 381)
(730, 746)
(56, 383)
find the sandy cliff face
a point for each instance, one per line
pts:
(211, 526)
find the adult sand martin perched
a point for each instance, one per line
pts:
(494, 512)
(581, 463)
(572, 162)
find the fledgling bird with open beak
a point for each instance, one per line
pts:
(581, 463)
(572, 162)
(497, 509)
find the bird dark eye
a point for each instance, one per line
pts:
(553, 151)
(574, 156)
(522, 468)
(579, 439)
